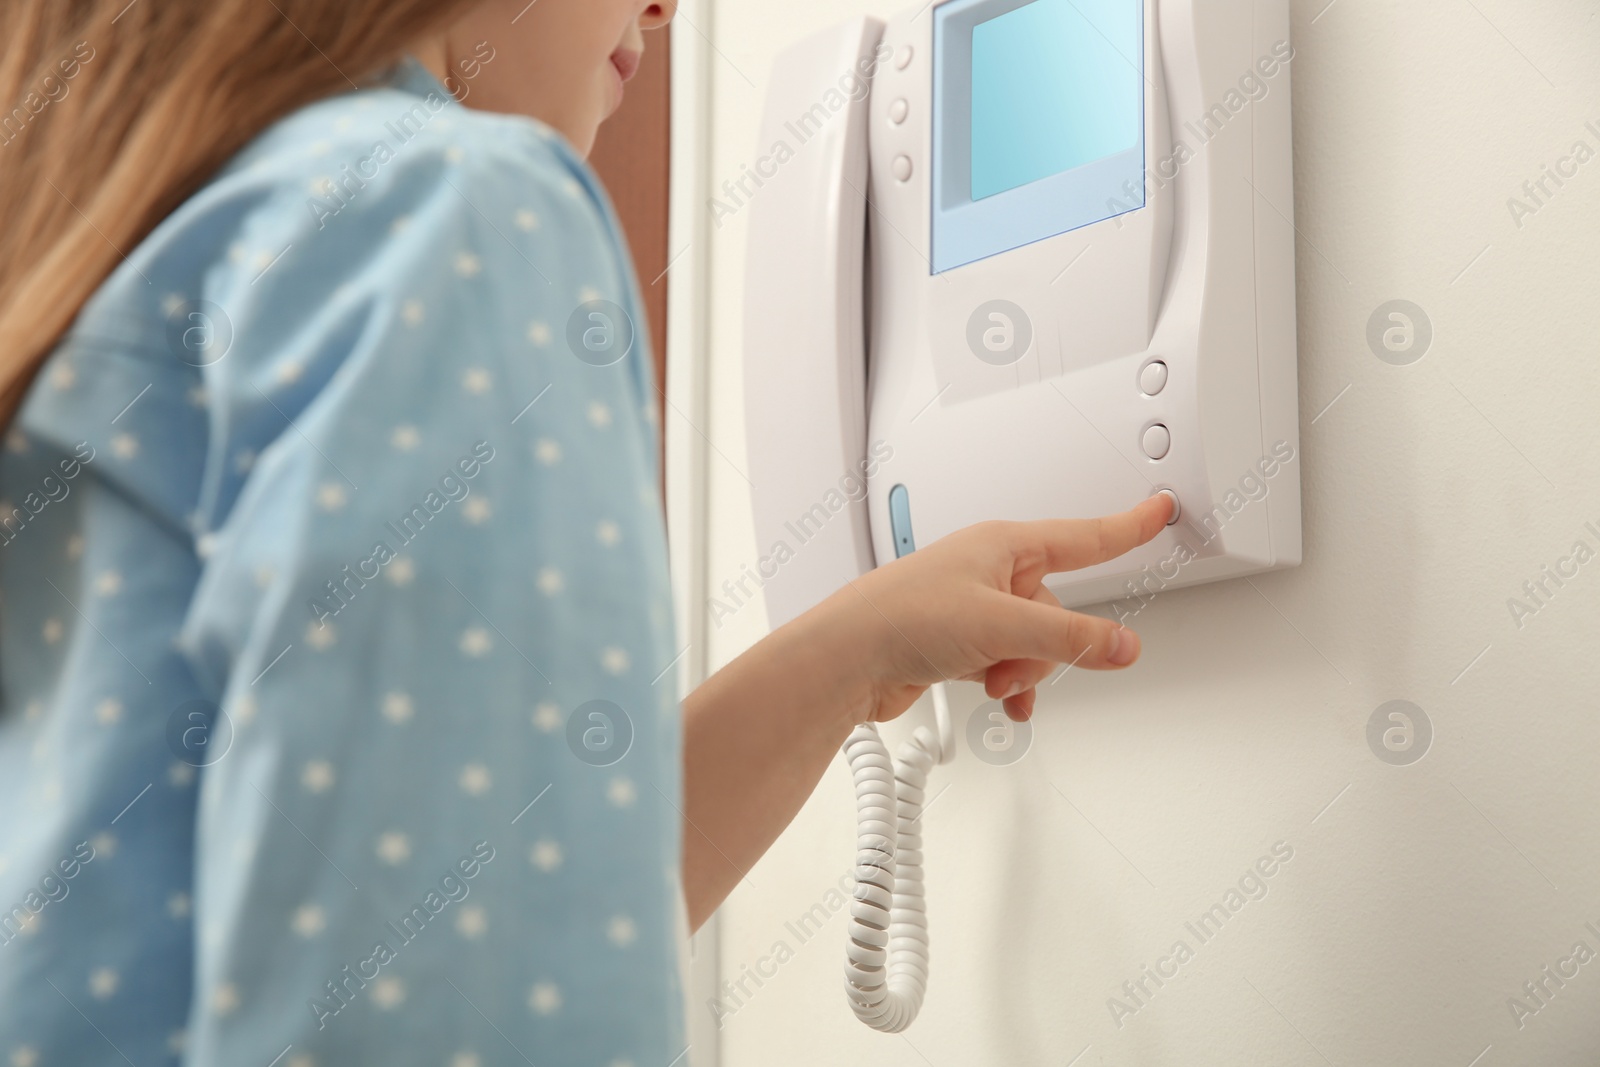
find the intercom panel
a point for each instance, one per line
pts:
(1037, 263)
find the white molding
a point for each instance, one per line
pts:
(687, 407)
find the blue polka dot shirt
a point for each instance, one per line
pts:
(338, 718)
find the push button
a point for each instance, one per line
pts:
(903, 59)
(1157, 441)
(902, 168)
(1153, 378)
(898, 111)
(1177, 508)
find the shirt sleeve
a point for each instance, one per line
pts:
(434, 613)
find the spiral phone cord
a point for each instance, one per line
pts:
(886, 974)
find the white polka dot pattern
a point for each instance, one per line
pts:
(352, 535)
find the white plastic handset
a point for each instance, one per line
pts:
(805, 345)
(805, 413)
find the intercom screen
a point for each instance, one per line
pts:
(1055, 85)
(1038, 121)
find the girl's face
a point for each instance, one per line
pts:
(563, 62)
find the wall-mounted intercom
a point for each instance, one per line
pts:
(1018, 259)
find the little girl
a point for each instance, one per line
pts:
(337, 707)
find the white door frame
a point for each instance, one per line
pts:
(687, 407)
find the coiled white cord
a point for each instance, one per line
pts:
(886, 974)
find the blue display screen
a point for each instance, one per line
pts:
(1038, 121)
(1055, 85)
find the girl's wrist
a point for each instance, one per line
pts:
(847, 635)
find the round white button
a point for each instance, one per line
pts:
(903, 59)
(1157, 441)
(902, 167)
(1177, 508)
(1153, 378)
(898, 110)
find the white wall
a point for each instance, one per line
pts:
(1424, 896)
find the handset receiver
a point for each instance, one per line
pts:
(804, 330)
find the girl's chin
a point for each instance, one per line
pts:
(583, 138)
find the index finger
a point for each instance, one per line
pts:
(1057, 545)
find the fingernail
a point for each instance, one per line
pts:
(1016, 687)
(1126, 650)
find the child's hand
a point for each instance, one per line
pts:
(973, 606)
(759, 733)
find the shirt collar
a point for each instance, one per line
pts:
(410, 76)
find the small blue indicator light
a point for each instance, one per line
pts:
(900, 521)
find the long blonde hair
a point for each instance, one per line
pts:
(113, 112)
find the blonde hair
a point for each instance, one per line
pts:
(112, 113)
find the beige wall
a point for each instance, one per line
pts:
(1425, 896)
